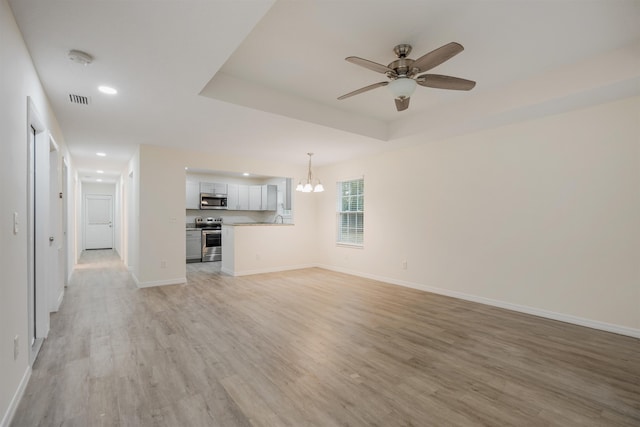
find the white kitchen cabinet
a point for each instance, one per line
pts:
(243, 197)
(255, 197)
(193, 195)
(237, 197)
(269, 197)
(232, 197)
(194, 245)
(263, 197)
(213, 188)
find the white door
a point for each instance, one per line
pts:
(54, 255)
(36, 230)
(98, 222)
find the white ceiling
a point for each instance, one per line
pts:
(260, 78)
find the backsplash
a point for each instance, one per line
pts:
(231, 217)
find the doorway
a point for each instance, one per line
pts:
(98, 221)
(55, 258)
(65, 221)
(38, 199)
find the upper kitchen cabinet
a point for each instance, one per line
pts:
(255, 197)
(254, 193)
(193, 195)
(269, 197)
(238, 197)
(263, 197)
(213, 188)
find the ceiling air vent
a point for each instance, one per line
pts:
(79, 99)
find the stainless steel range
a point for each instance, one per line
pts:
(211, 238)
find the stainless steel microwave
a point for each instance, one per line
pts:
(213, 201)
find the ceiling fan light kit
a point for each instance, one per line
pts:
(308, 187)
(402, 87)
(405, 73)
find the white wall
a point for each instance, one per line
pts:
(18, 80)
(162, 182)
(541, 216)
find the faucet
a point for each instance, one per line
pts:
(275, 220)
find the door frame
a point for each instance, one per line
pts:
(85, 217)
(56, 273)
(37, 301)
(66, 192)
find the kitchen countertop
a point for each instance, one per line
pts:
(243, 224)
(192, 229)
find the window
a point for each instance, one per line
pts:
(350, 212)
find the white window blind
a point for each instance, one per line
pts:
(350, 212)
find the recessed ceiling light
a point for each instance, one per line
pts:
(108, 90)
(246, 174)
(99, 171)
(101, 154)
(99, 180)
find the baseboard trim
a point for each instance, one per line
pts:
(567, 318)
(59, 301)
(266, 270)
(151, 284)
(17, 397)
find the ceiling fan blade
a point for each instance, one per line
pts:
(363, 89)
(374, 66)
(402, 103)
(445, 82)
(438, 56)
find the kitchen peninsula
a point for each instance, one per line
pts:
(251, 248)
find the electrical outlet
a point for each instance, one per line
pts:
(16, 223)
(163, 264)
(16, 347)
(404, 264)
(257, 257)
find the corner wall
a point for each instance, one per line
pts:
(18, 80)
(541, 216)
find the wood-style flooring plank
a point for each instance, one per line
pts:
(315, 348)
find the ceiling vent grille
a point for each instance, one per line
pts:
(79, 99)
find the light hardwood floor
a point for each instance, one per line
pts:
(315, 348)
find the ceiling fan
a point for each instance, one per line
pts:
(404, 73)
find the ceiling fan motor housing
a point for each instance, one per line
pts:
(402, 50)
(402, 66)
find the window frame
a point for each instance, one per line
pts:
(352, 235)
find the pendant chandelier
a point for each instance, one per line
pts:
(308, 187)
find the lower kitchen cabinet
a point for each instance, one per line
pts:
(194, 245)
